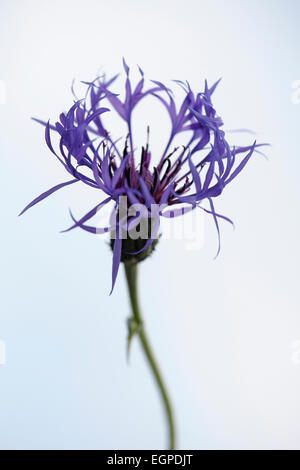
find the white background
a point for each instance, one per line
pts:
(227, 331)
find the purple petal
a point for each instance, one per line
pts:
(126, 68)
(141, 71)
(116, 259)
(87, 216)
(172, 213)
(195, 174)
(46, 194)
(241, 165)
(88, 228)
(146, 193)
(119, 171)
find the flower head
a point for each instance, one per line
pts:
(175, 182)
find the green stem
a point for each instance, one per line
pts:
(131, 276)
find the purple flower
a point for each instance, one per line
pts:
(182, 177)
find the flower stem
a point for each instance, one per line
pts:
(131, 276)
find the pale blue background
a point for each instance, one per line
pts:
(226, 331)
